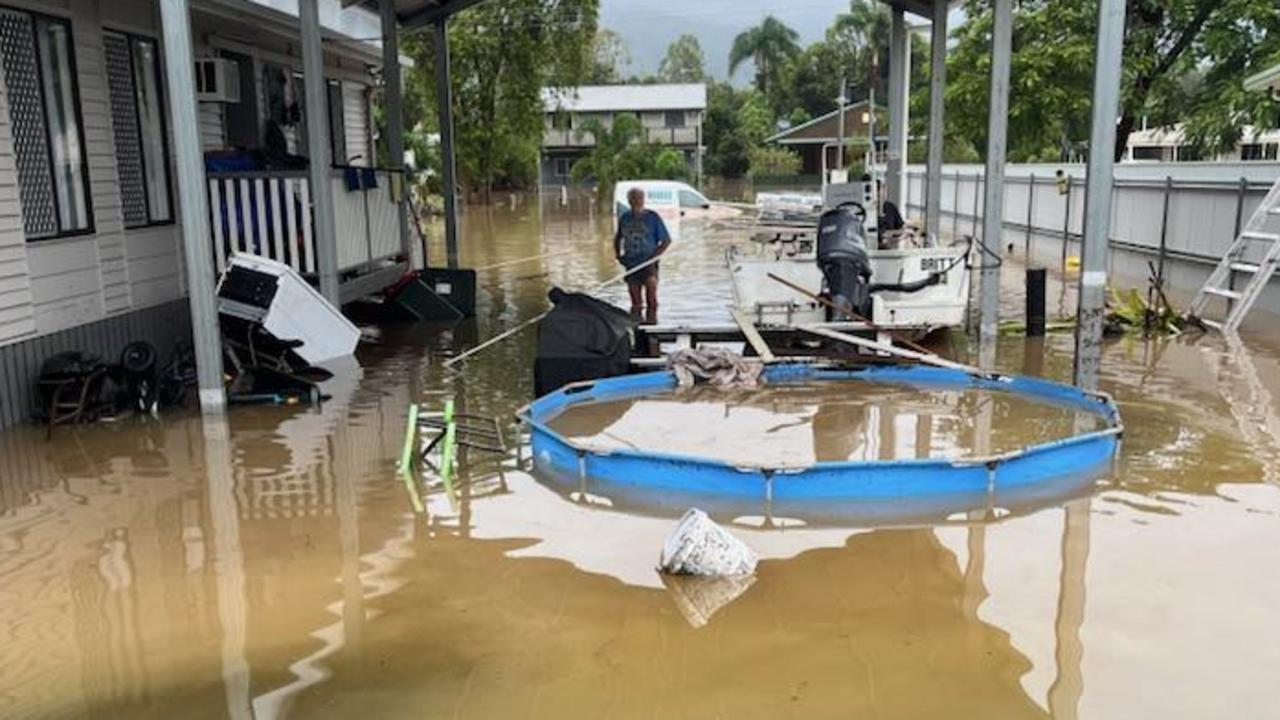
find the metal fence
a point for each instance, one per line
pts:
(1180, 216)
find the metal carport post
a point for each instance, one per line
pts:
(193, 203)
(1097, 208)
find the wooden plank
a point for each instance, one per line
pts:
(753, 336)
(215, 218)
(291, 227)
(264, 247)
(277, 218)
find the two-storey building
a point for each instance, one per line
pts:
(670, 114)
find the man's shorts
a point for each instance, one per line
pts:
(641, 276)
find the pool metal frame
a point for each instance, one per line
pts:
(822, 481)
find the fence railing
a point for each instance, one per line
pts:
(268, 213)
(1180, 217)
(672, 135)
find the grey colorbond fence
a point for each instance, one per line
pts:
(1187, 213)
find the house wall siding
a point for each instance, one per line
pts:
(17, 320)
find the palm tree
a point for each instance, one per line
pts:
(868, 24)
(769, 46)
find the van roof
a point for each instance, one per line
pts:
(621, 188)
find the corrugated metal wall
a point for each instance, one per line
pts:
(161, 326)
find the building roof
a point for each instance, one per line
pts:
(1175, 136)
(605, 98)
(1268, 79)
(823, 129)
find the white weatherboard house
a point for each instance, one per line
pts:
(671, 115)
(91, 253)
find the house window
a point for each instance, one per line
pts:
(1148, 152)
(675, 118)
(44, 111)
(337, 124)
(137, 118)
(561, 120)
(562, 167)
(1258, 151)
(1187, 153)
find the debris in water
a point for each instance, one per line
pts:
(701, 547)
(717, 366)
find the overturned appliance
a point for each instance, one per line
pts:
(581, 338)
(271, 294)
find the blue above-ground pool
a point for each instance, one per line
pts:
(896, 489)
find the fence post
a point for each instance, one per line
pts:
(955, 207)
(1164, 235)
(1231, 274)
(1066, 226)
(1031, 196)
(977, 195)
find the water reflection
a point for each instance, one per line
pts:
(272, 568)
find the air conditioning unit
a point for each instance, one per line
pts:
(217, 80)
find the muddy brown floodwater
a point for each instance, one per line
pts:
(271, 567)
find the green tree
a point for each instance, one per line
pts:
(772, 161)
(769, 46)
(621, 152)
(684, 61)
(503, 53)
(609, 55)
(1183, 62)
(726, 149)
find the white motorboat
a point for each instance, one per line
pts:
(788, 251)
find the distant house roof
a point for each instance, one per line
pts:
(1175, 136)
(605, 98)
(825, 128)
(1268, 79)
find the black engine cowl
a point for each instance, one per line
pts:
(842, 256)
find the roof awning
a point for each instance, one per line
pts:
(417, 14)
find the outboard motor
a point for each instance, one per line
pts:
(842, 256)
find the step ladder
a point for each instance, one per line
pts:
(1253, 255)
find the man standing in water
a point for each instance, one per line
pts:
(641, 236)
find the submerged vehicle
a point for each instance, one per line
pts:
(896, 279)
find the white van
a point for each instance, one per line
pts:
(672, 201)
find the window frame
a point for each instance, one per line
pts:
(669, 115)
(163, 99)
(77, 103)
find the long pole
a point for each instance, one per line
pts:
(840, 104)
(444, 101)
(193, 203)
(395, 116)
(899, 77)
(937, 138)
(993, 207)
(504, 335)
(319, 150)
(1097, 213)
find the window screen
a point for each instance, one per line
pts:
(137, 120)
(35, 52)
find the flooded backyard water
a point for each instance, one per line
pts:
(271, 566)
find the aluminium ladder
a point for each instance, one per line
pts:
(1254, 253)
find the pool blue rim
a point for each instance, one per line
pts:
(878, 480)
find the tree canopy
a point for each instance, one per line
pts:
(502, 54)
(1184, 62)
(621, 151)
(769, 45)
(684, 61)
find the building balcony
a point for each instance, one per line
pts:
(554, 138)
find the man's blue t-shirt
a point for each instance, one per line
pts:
(639, 237)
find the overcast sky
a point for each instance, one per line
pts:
(648, 26)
